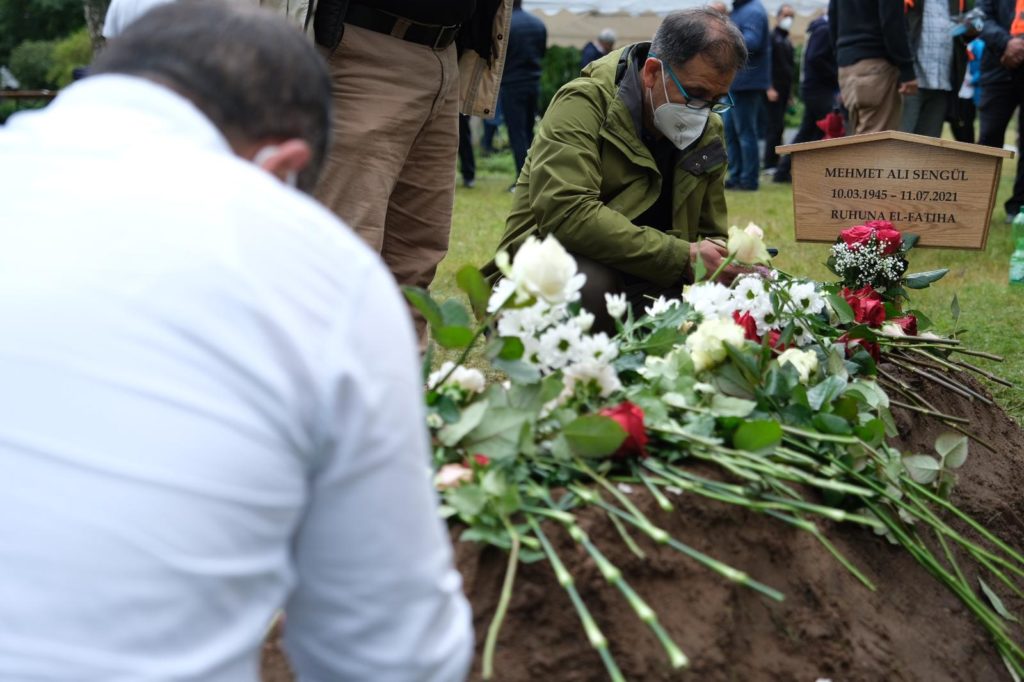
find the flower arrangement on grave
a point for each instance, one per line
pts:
(776, 381)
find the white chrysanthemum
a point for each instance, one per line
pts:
(616, 304)
(468, 379)
(804, 361)
(527, 322)
(707, 344)
(559, 346)
(805, 298)
(661, 305)
(597, 347)
(583, 320)
(582, 373)
(710, 299)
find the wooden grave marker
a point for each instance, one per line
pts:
(941, 190)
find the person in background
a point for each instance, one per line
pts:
(628, 166)
(939, 64)
(1002, 82)
(778, 95)
(876, 65)
(402, 70)
(121, 13)
(598, 48)
(748, 93)
(212, 404)
(467, 160)
(719, 7)
(520, 84)
(819, 88)
(491, 127)
(964, 107)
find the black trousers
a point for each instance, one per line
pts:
(467, 162)
(775, 124)
(998, 102)
(817, 105)
(603, 279)
(519, 104)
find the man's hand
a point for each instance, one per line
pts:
(1013, 55)
(909, 87)
(772, 94)
(713, 253)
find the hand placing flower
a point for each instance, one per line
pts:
(631, 418)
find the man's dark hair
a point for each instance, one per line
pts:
(701, 31)
(255, 76)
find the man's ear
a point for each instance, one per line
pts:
(649, 72)
(284, 159)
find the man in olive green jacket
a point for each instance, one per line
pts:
(628, 165)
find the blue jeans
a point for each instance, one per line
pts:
(741, 138)
(519, 104)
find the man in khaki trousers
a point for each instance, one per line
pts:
(397, 84)
(876, 66)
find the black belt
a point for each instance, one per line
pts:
(431, 35)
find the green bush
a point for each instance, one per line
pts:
(9, 107)
(22, 20)
(68, 54)
(561, 65)
(31, 62)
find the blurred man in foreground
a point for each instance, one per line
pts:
(628, 165)
(203, 418)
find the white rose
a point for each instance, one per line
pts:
(754, 231)
(452, 476)
(706, 345)
(891, 329)
(546, 270)
(466, 378)
(616, 304)
(804, 361)
(747, 247)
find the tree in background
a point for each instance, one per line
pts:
(22, 20)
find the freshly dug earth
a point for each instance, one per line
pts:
(828, 626)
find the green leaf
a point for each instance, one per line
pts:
(727, 406)
(661, 341)
(448, 410)
(757, 435)
(872, 433)
(469, 419)
(471, 281)
(700, 270)
(921, 280)
(922, 468)
(842, 308)
(594, 436)
(825, 392)
(467, 500)
(997, 603)
(910, 241)
(453, 337)
(831, 423)
(497, 435)
(954, 309)
(729, 380)
(421, 300)
(519, 371)
(454, 314)
(952, 448)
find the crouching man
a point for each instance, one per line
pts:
(627, 169)
(203, 419)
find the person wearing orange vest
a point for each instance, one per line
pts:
(1002, 80)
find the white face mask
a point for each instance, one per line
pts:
(678, 122)
(291, 178)
(786, 23)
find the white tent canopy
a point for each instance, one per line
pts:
(655, 6)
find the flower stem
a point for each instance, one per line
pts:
(503, 601)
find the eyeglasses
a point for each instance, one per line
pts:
(718, 106)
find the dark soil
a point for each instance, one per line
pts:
(828, 626)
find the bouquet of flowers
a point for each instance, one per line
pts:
(775, 381)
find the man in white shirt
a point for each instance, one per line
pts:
(203, 418)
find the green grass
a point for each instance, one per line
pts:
(992, 313)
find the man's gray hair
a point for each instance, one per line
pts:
(700, 31)
(255, 76)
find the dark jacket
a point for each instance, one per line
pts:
(589, 175)
(915, 23)
(871, 29)
(591, 52)
(782, 63)
(527, 42)
(751, 19)
(995, 34)
(819, 74)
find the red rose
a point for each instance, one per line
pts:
(857, 235)
(481, 460)
(773, 340)
(890, 239)
(879, 224)
(867, 305)
(907, 323)
(631, 418)
(749, 325)
(851, 347)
